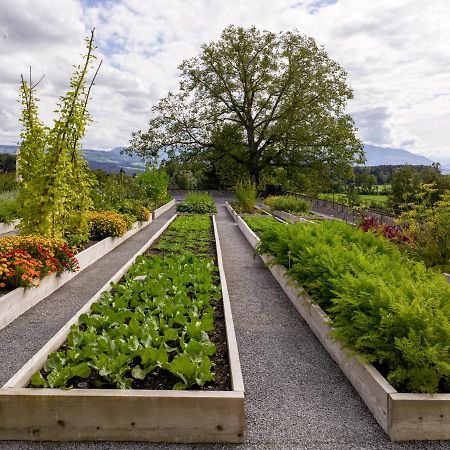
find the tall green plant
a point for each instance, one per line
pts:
(54, 183)
(246, 194)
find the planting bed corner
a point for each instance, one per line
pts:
(17, 302)
(124, 414)
(162, 209)
(402, 416)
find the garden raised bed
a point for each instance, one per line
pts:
(115, 414)
(402, 416)
(15, 303)
(8, 227)
(162, 209)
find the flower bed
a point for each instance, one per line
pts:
(16, 302)
(186, 353)
(404, 416)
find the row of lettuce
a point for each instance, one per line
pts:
(152, 330)
(393, 311)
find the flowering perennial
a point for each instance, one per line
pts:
(25, 260)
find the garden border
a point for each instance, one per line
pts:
(162, 209)
(134, 415)
(402, 416)
(8, 227)
(20, 300)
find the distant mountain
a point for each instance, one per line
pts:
(108, 160)
(377, 156)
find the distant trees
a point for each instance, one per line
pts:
(254, 102)
(7, 162)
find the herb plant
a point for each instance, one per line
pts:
(390, 309)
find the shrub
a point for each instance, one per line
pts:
(153, 184)
(197, 202)
(246, 195)
(8, 207)
(24, 260)
(103, 224)
(287, 203)
(429, 228)
(392, 310)
(135, 209)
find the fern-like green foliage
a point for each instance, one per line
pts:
(393, 311)
(54, 182)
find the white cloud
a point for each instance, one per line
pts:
(396, 54)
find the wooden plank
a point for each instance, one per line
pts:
(121, 415)
(419, 417)
(17, 302)
(162, 209)
(22, 377)
(233, 353)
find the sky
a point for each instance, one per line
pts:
(396, 54)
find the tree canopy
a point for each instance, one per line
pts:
(259, 101)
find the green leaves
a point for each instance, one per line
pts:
(158, 323)
(391, 310)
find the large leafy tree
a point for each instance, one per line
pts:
(260, 99)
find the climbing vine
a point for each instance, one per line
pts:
(54, 183)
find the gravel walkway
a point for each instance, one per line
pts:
(296, 396)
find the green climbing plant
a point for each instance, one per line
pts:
(54, 182)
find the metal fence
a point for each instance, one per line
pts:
(345, 212)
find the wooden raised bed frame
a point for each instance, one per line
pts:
(402, 416)
(124, 415)
(20, 300)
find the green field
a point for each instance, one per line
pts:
(380, 200)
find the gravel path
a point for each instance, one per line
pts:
(296, 396)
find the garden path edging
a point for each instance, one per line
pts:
(8, 227)
(162, 209)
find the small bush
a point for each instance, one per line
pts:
(24, 260)
(197, 203)
(135, 209)
(246, 195)
(103, 224)
(8, 207)
(287, 203)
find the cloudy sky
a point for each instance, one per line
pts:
(396, 53)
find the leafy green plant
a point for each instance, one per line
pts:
(259, 224)
(392, 310)
(8, 207)
(187, 234)
(154, 324)
(247, 195)
(153, 184)
(287, 203)
(198, 203)
(428, 228)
